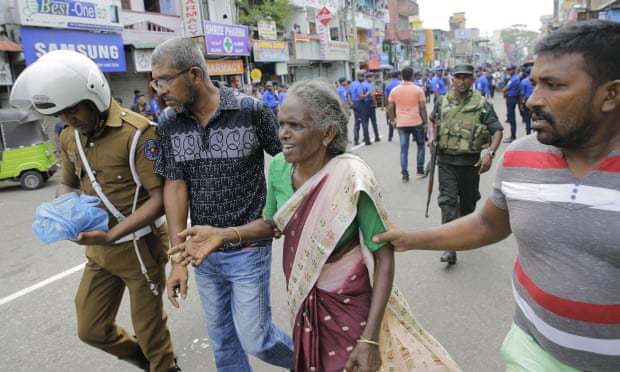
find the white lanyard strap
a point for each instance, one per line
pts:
(115, 212)
(93, 181)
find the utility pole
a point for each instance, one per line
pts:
(356, 65)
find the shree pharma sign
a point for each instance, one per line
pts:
(87, 15)
(225, 39)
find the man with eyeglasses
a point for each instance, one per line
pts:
(213, 145)
(98, 159)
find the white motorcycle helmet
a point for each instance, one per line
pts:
(59, 80)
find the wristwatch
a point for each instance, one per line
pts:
(492, 153)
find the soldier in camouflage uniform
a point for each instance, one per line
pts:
(469, 133)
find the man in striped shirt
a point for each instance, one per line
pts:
(559, 193)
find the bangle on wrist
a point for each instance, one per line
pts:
(363, 340)
(238, 236)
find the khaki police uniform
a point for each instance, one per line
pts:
(112, 268)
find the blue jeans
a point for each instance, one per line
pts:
(361, 119)
(234, 290)
(511, 104)
(420, 138)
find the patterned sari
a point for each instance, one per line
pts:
(329, 301)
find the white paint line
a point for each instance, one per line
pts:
(41, 284)
(75, 269)
(357, 147)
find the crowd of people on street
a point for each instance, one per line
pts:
(557, 191)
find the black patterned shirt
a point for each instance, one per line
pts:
(222, 163)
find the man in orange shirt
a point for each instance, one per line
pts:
(407, 107)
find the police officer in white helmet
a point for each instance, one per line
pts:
(108, 151)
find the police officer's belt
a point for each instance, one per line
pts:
(136, 235)
(142, 232)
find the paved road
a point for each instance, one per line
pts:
(468, 307)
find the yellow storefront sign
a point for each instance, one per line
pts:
(256, 74)
(225, 67)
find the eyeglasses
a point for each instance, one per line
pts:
(162, 83)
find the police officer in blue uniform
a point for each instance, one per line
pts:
(526, 91)
(511, 93)
(358, 96)
(393, 83)
(371, 105)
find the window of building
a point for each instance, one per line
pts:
(403, 23)
(151, 6)
(168, 7)
(334, 33)
(126, 4)
(311, 28)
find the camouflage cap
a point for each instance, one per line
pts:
(464, 69)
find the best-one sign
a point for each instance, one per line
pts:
(90, 15)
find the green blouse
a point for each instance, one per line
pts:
(280, 189)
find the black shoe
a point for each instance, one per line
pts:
(389, 140)
(176, 367)
(420, 172)
(508, 140)
(378, 139)
(368, 143)
(138, 359)
(405, 178)
(449, 257)
(356, 143)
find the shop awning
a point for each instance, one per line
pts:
(146, 39)
(9, 46)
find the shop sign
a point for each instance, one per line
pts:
(105, 49)
(267, 30)
(375, 46)
(226, 39)
(92, 15)
(256, 75)
(318, 4)
(300, 37)
(142, 59)
(324, 16)
(270, 51)
(323, 31)
(190, 14)
(281, 68)
(5, 70)
(337, 51)
(225, 67)
(385, 59)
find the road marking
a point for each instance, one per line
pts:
(357, 147)
(75, 269)
(41, 284)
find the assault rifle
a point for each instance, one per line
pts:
(430, 172)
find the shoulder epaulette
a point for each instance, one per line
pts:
(135, 120)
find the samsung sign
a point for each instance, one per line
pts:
(105, 49)
(95, 15)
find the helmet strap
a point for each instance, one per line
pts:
(100, 117)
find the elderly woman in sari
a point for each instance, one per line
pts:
(326, 203)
